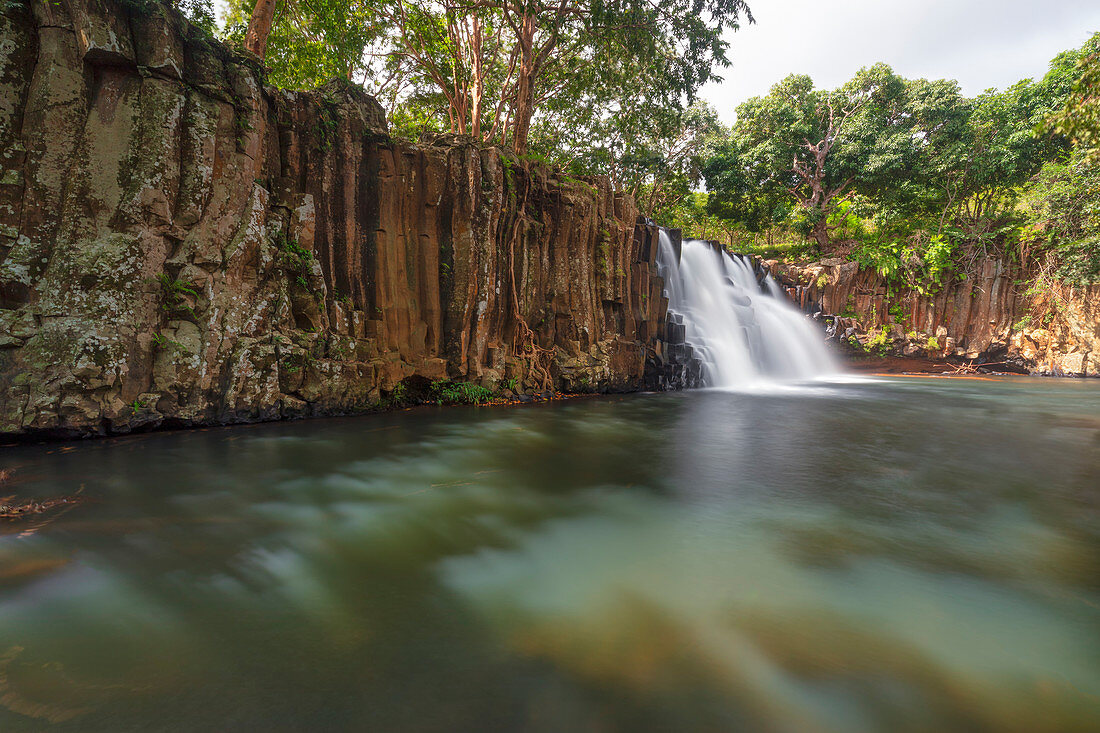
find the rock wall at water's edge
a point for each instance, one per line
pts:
(181, 245)
(996, 315)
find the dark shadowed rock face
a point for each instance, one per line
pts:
(997, 315)
(182, 245)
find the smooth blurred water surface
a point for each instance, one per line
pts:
(900, 555)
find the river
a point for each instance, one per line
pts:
(903, 554)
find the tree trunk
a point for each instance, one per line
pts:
(477, 80)
(525, 101)
(259, 27)
(821, 233)
(525, 85)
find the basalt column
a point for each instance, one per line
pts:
(182, 244)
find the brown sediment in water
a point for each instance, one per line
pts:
(993, 377)
(897, 365)
(901, 366)
(12, 508)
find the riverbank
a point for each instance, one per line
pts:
(900, 365)
(896, 365)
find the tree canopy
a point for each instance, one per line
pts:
(503, 70)
(815, 145)
(1079, 117)
(911, 176)
(890, 170)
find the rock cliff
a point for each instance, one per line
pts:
(181, 244)
(999, 314)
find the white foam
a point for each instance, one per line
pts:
(747, 337)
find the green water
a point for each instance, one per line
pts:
(909, 554)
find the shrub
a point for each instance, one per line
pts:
(447, 392)
(880, 342)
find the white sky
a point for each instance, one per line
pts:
(981, 43)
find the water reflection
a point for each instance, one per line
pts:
(883, 556)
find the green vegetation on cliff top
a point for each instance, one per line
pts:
(907, 176)
(912, 178)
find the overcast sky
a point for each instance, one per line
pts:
(981, 43)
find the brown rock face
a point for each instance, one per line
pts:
(181, 245)
(999, 315)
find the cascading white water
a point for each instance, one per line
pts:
(740, 333)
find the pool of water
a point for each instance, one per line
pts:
(891, 555)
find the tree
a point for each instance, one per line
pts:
(259, 27)
(1063, 217)
(906, 150)
(1079, 118)
(737, 196)
(674, 44)
(657, 157)
(676, 160)
(978, 153)
(309, 42)
(816, 145)
(494, 69)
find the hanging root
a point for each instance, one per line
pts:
(525, 345)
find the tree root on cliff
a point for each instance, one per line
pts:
(525, 344)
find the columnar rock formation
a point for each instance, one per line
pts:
(180, 244)
(996, 315)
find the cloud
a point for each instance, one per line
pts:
(981, 43)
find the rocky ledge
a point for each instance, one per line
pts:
(996, 317)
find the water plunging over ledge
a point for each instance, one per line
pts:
(742, 331)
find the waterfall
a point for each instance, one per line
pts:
(741, 331)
